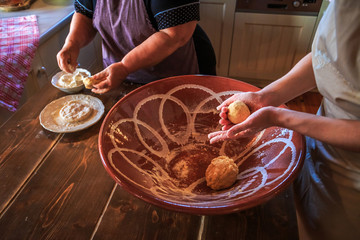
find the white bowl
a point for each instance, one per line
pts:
(55, 79)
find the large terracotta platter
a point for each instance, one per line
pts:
(154, 144)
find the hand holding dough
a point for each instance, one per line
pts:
(89, 82)
(221, 173)
(238, 112)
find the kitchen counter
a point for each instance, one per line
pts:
(50, 17)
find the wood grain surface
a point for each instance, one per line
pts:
(54, 186)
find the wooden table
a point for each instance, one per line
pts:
(54, 186)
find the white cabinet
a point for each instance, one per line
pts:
(266, 46)
(217, 18)
(255, 47)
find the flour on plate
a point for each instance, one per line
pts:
(75, 111)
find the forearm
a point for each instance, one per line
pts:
(81, 31)
(297, 81)
(158, 46)
(337, 132)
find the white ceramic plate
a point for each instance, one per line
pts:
(51, 120)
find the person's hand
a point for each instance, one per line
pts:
(256, 122)
(67, 57)
(251, 99)
(110, 78)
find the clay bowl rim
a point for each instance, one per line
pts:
(189, 208)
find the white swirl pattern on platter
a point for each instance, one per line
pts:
(158, 181)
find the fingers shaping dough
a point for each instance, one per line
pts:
(89, 82)
(238, 112)
(221, 173)
(72, 69)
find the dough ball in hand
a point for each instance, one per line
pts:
(221, 173)
(89, 82)
(238, 112)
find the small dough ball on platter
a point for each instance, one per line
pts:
(221, 173)
(238, 112)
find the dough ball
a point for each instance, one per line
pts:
(89, 82)
(75, 111)
(221, 173)
(238, 112)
